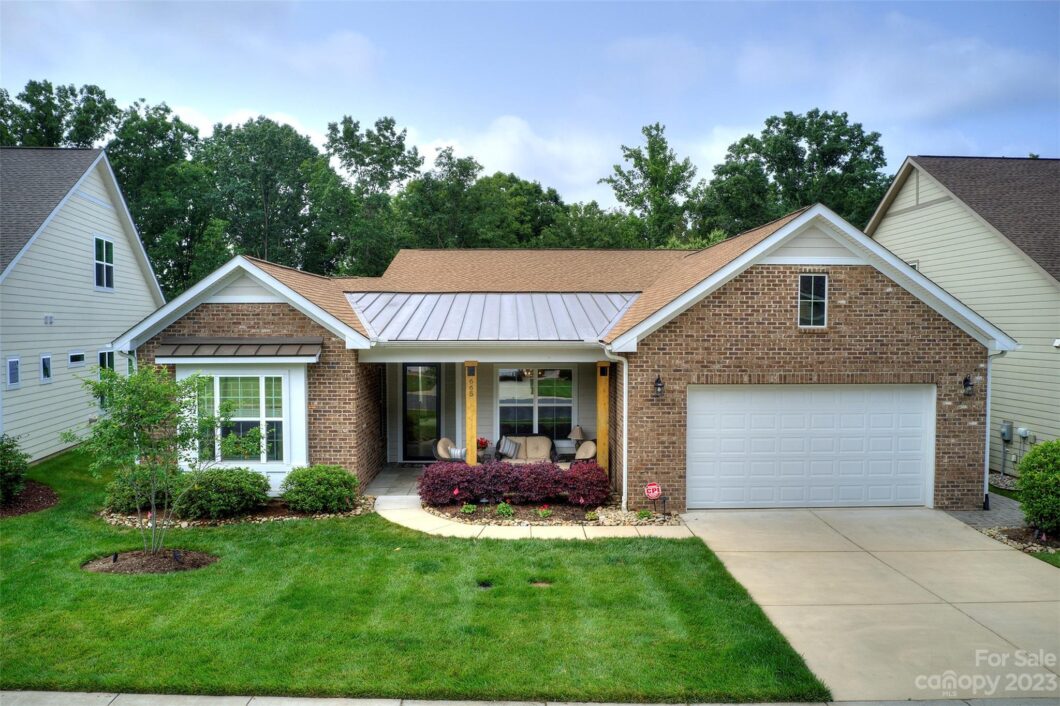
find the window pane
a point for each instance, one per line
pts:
(273, 397)
(99, 250)
(243, 395)
(204, 395)
(46, 368)
(555, 386)
(805, 286)
(515, 386)
(274, 441)
(108, 270)
(818, 287)
(101, 279)
(554, 421)
(516, 421)
(241, 429)
(109, 252)
(12, 372)
(818, 314)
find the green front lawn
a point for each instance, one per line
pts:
(361, 607)
(1048, 558)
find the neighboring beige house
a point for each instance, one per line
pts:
(73, 275)
(988, 231)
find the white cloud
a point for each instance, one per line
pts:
(708, 151)
(570, 161)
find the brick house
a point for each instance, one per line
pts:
(800, 364)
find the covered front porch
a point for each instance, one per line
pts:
(475, 399)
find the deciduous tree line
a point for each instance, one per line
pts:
(263, 189)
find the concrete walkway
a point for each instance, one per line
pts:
(58, 698)
(406, 510)
(887, 603)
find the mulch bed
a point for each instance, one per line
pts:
(140, 562)
(1025, 535)
(275, 511)
(561, 514)
(34, 497)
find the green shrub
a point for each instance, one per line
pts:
(468, 509)
(1039, 486)
(644, 514)
(130, 490)
(222, 492)
(319, 489)
(504, 510)
(13, 467)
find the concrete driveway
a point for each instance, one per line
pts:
(888, 604)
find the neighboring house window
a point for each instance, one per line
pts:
(106, 360)
(14, 373)
(104, 264)
(536, 401)
(252, 402)
(46, 368)
(75, 359)
(813, 301)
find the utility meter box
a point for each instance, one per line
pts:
(1006, 431)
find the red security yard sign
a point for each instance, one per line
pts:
(653, 491)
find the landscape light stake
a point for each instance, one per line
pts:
(177, 557)
(114, 559)
(664, 499)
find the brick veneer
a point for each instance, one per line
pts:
(344, 397)
(747, 333)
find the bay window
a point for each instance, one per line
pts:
(535, 401)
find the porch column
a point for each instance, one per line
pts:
(471, 410)
(603, 398)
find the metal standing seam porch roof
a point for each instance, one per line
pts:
(489, 316)
(204, 347)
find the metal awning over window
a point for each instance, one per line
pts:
(261, 350)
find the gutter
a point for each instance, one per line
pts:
(625, 422)
(989, 432)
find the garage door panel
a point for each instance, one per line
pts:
(809, 445)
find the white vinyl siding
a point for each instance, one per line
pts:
(55, 278)
(985, 271)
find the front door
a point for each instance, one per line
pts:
(421, 383)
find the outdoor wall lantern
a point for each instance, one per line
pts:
(659, 386)
(969, 385)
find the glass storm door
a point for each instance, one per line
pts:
(422, 409)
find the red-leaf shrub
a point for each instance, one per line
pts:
(587, 484)
(443, 483)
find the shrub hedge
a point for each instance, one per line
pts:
(320, 488)
(13, 467)
(1039, 486)
(495, 481)
(222, 492)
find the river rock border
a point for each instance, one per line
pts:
(1029, 547)
(365, 505)
(607, 517)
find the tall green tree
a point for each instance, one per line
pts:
(587, 225)
(45, 115)
(798, 160)
(257, 173)
(378, 160)
(654, 185)
(436, 209)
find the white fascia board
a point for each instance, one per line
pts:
(51, 216)
(484, 352)
(235, 360)
(884, 260)
(138, 248)
(164, 316)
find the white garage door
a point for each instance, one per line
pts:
(810, 445)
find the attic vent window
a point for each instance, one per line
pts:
(813, 301)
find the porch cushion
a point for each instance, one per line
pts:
(586, 451)
(509, 447)
(538, 448)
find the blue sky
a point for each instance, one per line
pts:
(551, 90)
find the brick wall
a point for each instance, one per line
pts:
(344, 397)
(747, 332)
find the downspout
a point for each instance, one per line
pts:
(625, 421)
(989, 433)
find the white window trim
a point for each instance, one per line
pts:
(51, 369)
(72, 364)
(113, 273)
(7, 372)
(798, 309)
(295, 419)
(573, 367)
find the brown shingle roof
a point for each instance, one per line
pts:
(1019, 197)
(33, 180)
(660, 276)
(693, 269)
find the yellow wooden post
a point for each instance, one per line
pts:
(603, 398)
(471, 410)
